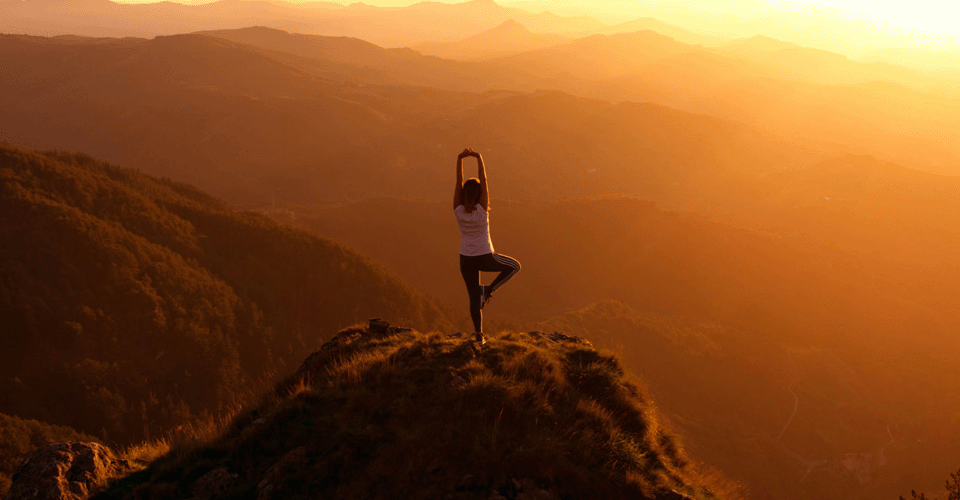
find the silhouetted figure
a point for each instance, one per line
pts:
(471, 202)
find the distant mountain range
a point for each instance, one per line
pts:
(431, 22)
(193, 104)
(513, 37)
(508, 38)
(199, 103)
(387, 26)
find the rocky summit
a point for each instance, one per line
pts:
(384, 412)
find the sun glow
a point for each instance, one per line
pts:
(927, 15)
(928, 24)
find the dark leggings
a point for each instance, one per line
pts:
(470, 267)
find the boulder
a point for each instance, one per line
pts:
(559, 337)
(267, 485)
(213, 484)
(65, 471)
(673, 495)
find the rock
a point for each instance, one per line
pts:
(378, 325)
(265, 493)
(316, 361)
(467, 481)
(65, 471)
(468, 348)
(537, 494)
(213, 483)
(673, 495)
(401, 353)
(381, 327)
(342, 338)
(528, 489)
(458, 382)
(559, 337)
(266, 487)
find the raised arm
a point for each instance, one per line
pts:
(456, 193)
(482, 175)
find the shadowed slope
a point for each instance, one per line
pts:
(132, 304)
(398, 414)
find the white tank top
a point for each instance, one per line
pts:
(474, 231)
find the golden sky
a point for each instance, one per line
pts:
(852, 26)
(940, 16)
(869, 22)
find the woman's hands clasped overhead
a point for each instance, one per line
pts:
(468, 152)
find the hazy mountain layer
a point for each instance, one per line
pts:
(132, 305)
(790, 418)
(508, 38)
(391, 27)
(233, 119)
(807, 96)
(252, 119)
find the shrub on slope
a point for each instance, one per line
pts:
(407, 415)
(131, 305)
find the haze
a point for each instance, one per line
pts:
(851, 27)
(928, 24)
(754, 205)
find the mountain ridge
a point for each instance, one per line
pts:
(381, 412)
(504, 39)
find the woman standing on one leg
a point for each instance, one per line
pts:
(471, 202)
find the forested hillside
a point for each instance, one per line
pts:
(132, 305)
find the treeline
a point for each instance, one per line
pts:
(131, 305)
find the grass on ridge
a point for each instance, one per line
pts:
(412, 415)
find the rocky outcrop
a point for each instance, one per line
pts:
(376, 328)
(265, 489)
(65, 471)
(559, 337)
(212, 484)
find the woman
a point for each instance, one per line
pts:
(471, 202)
